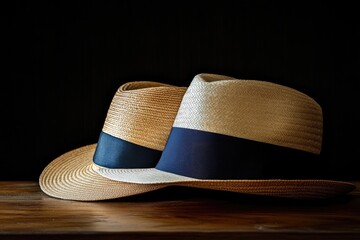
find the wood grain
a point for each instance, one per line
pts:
(174, 213)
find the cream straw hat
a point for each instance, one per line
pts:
(243, 136)
(134, 134)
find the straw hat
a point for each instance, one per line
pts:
(134, 134)
(243, 136)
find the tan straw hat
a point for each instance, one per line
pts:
(134, 134)
(243, 136)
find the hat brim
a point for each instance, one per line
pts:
(298, 189)
(72, 177)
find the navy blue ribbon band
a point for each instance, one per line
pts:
(112, 152)
(205, 155)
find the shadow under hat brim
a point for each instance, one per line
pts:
(297, 189)
(72, 177)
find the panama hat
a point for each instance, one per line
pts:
(134, 134)
(245, 136)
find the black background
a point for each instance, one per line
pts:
(63, 62)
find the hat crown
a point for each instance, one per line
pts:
(143, 112)
(251, 109)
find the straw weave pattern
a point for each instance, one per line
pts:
(254, 110)
(78, 180)
(143, 113)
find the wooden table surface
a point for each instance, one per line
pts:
(175, 213)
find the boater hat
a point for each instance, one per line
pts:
(135, 131)
(243, 136)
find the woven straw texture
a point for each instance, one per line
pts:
(254, 110)
(248, 109)
(295, 189)
(72, 177)
(141, 113)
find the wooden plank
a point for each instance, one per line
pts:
(174, 213)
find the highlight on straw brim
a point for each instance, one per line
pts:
(297, 189)
(79, 181)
